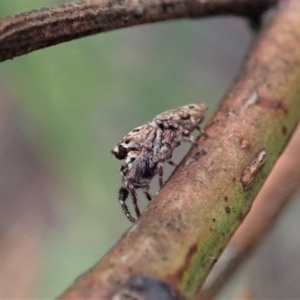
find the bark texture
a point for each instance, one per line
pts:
(278, 190)
(27, 32)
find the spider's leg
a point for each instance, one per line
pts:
(148, 196)
(202, 131)
(123, 194)
(134, 201)
(171, 163)
(191, 139)
(160, 174)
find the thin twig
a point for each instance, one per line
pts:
(181, 234)
(27, 32)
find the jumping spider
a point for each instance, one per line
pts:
(146, 148)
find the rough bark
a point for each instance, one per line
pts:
(183, 231)
(277, 191)
(27, 32)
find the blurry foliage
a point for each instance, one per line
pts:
(75, 101)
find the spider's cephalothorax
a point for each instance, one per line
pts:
(146, 148)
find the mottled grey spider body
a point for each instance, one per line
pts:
(146, 148)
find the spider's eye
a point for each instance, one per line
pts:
(127, 141)
(120, 153)
(191, 106)
(136, 130)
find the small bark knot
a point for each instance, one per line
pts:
(252, 169)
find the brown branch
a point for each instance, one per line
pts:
(183, 231)
(278, 190)
(27, 32)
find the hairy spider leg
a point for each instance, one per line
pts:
(161, 175)
(191, 139)
(202, 131)
(134, 200)
(148, 196)
(188, 137)
(171, 163)
(123, 195)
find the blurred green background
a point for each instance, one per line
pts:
(64, 108)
